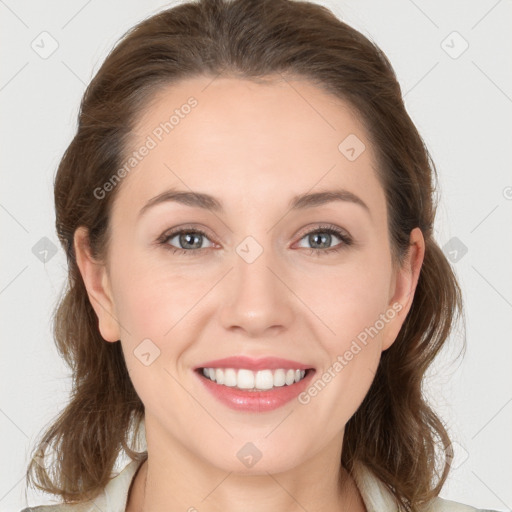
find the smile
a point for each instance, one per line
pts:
(254, 384)
(254, 380)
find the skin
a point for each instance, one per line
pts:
(254, 147)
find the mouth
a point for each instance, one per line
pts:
(248, 380)
(251, 385)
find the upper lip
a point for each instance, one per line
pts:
(249, 363)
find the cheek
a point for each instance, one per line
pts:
(353, 303)
(149, 297)
(142, 305)
(151, 306)
(350, 297)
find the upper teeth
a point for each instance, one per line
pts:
(247, 379)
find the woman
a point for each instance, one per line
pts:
(247, 210)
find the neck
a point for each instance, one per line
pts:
(183, 483)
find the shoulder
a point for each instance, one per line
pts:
(437, 505)
(62, 507)
(70, 507)
(112, 499)
(443, 505)
(378, 498)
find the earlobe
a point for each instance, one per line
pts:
(97, 283)
(406, 280)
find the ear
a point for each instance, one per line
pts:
(97, 283)
(403, 286)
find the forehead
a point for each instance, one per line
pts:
(241, 140)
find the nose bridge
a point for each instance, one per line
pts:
(258, 299)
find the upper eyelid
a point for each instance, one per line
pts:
(323, 227)
(171, 233)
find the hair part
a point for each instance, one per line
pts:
(394, 432)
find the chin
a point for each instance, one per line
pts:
(258, 457)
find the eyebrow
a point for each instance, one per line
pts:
(299, 202)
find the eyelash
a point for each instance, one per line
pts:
(330, 229)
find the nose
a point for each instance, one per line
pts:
(258, 301)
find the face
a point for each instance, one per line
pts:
(256, 271)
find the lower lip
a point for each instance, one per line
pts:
(256, 401)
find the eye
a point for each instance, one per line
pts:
(323, 236)
(188, 240)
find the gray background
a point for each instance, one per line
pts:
(461, 102)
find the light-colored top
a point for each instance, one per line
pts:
(376, 496)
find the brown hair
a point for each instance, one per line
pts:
(394, 432)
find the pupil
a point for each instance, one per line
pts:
(185, 240)
(316, 236)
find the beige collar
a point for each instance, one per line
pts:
(376, 496)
